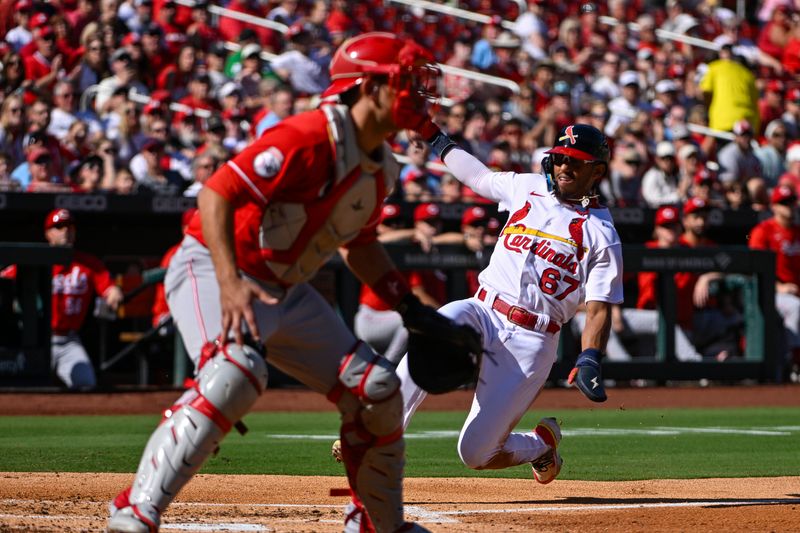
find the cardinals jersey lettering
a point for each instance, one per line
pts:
(300, 192)
(551, 257)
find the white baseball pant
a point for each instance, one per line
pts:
(515, 366)
(71, 363)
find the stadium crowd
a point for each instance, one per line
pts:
(123, 96)
(151, 96)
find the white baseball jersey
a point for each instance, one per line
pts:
(550, 256)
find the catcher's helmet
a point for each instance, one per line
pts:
(379, 53)
(581, 141)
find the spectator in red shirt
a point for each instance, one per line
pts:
(74, 285)
(174, 34)
(781, 234)
(45, 65)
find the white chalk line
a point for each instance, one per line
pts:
(776, 431)
(419, 513)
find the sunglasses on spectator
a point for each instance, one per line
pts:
(789, 202)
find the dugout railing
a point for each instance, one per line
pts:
(750, 272)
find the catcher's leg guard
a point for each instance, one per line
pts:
(372, 438)
(228, 384)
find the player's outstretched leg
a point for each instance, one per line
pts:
(229, 382)
(547, 466)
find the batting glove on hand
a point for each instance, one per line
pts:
(587, 375)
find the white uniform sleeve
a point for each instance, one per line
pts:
(469, 170)
(604, 281)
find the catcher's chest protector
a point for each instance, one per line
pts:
(343, 207)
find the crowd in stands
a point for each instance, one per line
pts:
(121, 96)
(151, 96)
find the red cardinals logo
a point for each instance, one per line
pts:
(576, 232)
(519, 214)
(568, 135)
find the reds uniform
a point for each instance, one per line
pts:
(74, 286)
(272, 216)
(550, 257)
(784, 240)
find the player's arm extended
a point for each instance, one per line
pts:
(467, 168)
(598, 325)
(587, 374)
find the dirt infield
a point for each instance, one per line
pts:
(77, 502)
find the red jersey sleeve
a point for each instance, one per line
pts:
(101, 277)
(758, 237)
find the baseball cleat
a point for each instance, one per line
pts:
(336, 450)
(547, 466)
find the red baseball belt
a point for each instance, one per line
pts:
(518, 315)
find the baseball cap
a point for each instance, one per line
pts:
(793, 153)
(250, 50)
(782, 193)
(629, 77)
(131, 38)
(775, 86)
(42, 31)
(23, 5)
(665, 86)
(152, 144)
(38, 20)
(474, 216)
(214, 123)
(666, 215)
(414, 175)
(121, 55)
(693, 205)
(426, 212)
(742, 127)
(38, 152)
(229, 88)
(390, 212)
(793, 95)
(58, 217)
(704, 175)
(686, 151)
(665, 149)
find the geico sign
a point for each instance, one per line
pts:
(169, 204)
(82, 202)
(627, 215)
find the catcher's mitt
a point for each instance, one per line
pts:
(442, 355)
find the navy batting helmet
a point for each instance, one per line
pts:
(581, 141)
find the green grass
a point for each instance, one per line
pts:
(598, 445)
